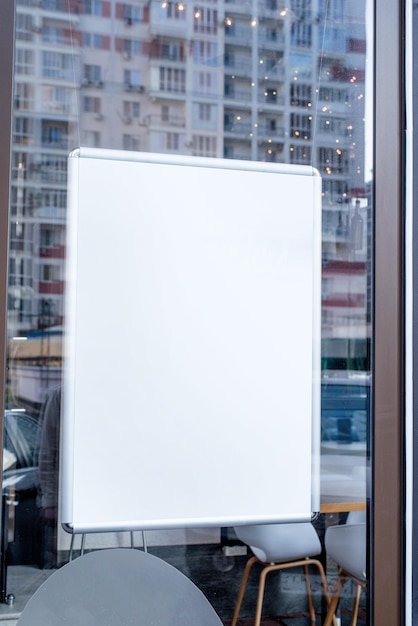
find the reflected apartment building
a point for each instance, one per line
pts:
(230, 79)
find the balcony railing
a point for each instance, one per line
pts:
(52, 252)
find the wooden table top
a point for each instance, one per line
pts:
(341, 505)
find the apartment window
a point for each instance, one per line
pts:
(173, 141)
(302, 9)
(335, 10)
(50, 273)
(53, 198)
(204, 145)
(205, 20)
(131, 47)
(271, 34)
(301, 35)
(23, 96)
(335, 190)
(165, 113)
(57, 99)
(91, 138)
(47, 236)
(24, 62)
(271, 95)
(333, 160)
(57, 65)
(175, 10)
(300, 94)
(96, 41)
(53, 169)
(205, 79)
(91, 104)
(333, 94)
(300, 126)
(205, 82)
(205, 111)
(131, 109)
(23, 130)
(206, 53)
(133, 14)
(229, 89)
(300, 66)
(300, 154)
(55, 134)
(54, 5)
(92, 74)
(270, 156)
(331, 39)
(93, 7)
(24, 27)
(54, 35)
(172, 51)
(333, 125)
(169, 114)
(132, 80)
(130, 142)
(172, 79)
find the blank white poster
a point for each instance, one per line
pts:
(191, 392)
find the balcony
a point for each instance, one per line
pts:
(133, 88)
(53, 287)
(171, 121)
(265, 130)
(52, 252)
(65, 11)
(238, 97)
(237, 68)
(237, 129)
(270, 98)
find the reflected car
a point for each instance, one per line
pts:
(345, 407)
(20, 485)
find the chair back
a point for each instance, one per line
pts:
(346, 545)
(279, 543)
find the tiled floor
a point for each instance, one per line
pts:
(219, 577)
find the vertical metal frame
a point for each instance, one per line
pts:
(388, 498)
(7, 11)
(414, 558)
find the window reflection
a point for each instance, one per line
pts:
(264, 80)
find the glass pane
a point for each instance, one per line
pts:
(263, 80)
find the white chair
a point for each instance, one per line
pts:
(346, 545)
(277, 547)
(118, 586)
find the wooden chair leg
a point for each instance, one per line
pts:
(335, 599)
(356, 604)
(242, 589)
(309, 594)
(324, 583)
(260, 594)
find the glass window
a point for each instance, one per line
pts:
(256, 81)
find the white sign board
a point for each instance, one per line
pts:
(191, 394)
